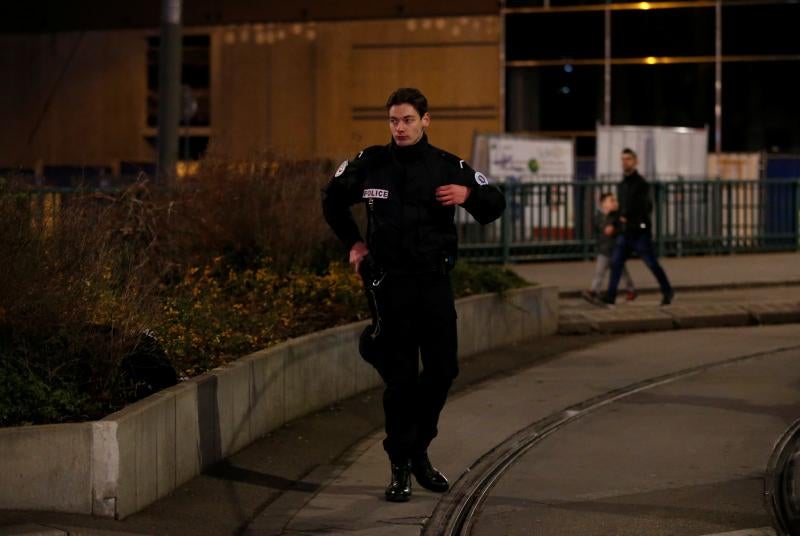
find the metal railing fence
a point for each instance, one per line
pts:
(556, 220)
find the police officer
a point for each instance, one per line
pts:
(410, 189)
(634, 209)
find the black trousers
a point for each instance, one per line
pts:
(643, 245)
(418, 320)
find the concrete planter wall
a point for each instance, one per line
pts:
(118, 465)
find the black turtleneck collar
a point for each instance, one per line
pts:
(410, 151)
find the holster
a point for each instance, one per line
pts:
(371, 344)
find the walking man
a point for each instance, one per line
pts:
(410, 189)
(634, 209)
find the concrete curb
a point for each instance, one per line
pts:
(576, 293)
(32, 529)
(116, 466)
(678, 317)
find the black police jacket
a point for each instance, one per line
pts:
(635, 205)
(408, 230)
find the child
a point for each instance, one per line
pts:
(607, 225)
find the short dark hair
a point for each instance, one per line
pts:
(605, 196)
(409, 95)
(628, 150)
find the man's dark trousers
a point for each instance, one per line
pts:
(643, 245)
(419, 320)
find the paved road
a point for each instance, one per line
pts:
(687, 458)
(699, 473)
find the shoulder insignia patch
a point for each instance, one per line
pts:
(481, 179)
(341, 169)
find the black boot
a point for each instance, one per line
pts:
(427, 475)
(399, 489)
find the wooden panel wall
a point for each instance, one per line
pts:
(302, 90)
(72, 98)
(324, 85)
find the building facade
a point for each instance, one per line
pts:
(571, 64)
(309, 79)
(296, 89)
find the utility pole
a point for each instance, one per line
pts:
(718, 84)
(607, 67)
(169, 89)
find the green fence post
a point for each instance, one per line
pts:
(584, 194)
(797, 211)
(505, 239)
(508, 191)
(729, 229)
(659, 200)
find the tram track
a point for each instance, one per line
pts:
(457, 512)
(781, 485)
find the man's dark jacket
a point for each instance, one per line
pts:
(408, 231)
(635, 205)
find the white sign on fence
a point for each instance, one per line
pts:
(542, 211)
(530, 159)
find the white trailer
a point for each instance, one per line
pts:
(664, 153)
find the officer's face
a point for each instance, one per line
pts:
(406, 125)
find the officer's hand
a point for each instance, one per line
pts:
(357, 254)
(609, 230)
(452, 194)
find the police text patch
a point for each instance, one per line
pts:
(341, 169)
(481, 179)
(375, 193)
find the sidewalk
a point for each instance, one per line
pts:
(260, 488)
(697, 273)
(721, 291)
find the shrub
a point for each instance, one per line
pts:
(240, 213)
(218, 313)
(234, 261)
(473, 278)
(62, 280)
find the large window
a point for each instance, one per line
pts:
(555, 98)
(662, 32)
(663, 95)
(544, 36)
(761, 29)
(196, 82)
(662, 69)
(762, 110)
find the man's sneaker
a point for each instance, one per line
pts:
(607, 302)
(631, 295)
(667, 298)
(590, 296)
